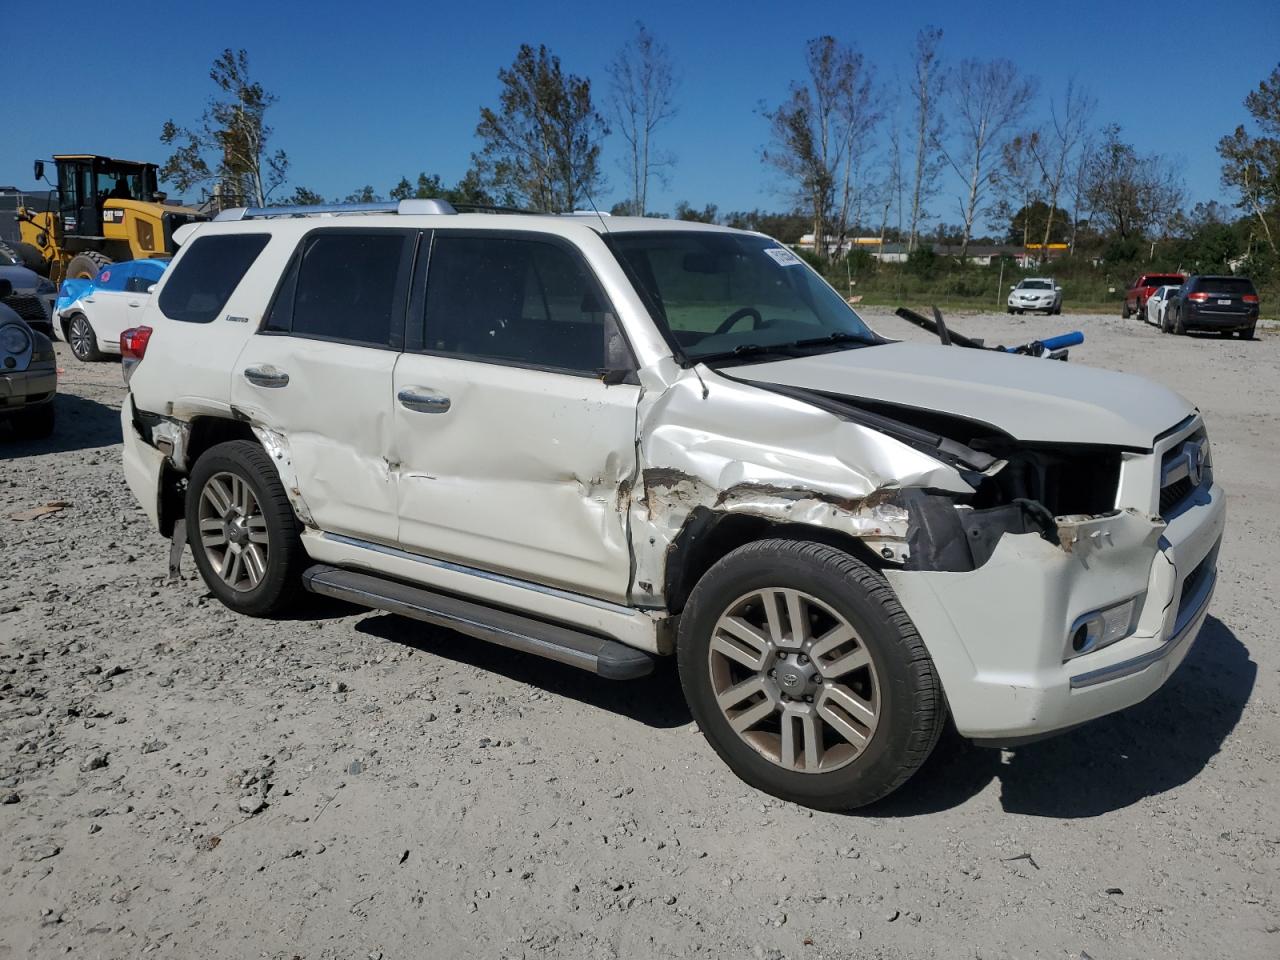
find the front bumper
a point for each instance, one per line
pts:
(999, 634)
(28, 388)
(1030, 304)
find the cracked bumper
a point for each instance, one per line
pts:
(999, 634)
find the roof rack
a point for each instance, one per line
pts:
(402, 207)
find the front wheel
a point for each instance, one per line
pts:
(806, 676)
(243, 532)
(83, 341)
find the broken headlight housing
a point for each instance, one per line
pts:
(1101, 628)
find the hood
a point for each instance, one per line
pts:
(21, 278)
(1030, 399)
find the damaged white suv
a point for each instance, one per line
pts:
(603, 441)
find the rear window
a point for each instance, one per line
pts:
(1235, 286)
(207, 274)
(1160, 280)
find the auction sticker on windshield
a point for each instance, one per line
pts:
(783, 256)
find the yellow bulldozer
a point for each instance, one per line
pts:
(100, 211)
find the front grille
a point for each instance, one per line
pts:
(1173, 495)
(28, 308)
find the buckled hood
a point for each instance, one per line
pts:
(1030, 399)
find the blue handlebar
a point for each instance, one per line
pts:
(1072, 339)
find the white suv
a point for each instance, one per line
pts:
(608, 440)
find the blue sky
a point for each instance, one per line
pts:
(369, 92)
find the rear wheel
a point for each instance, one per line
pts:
(85, 266)
(1178, 326)
(83, 341)
(806, 676)
(1248, 333)
(243, 533)
(1124, 311)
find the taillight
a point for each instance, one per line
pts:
(133, 347)
(1250, 298)
(1198, 297)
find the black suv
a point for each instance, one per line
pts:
(1224, 304)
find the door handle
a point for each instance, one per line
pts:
(134, 303)
(411, 398)
(266, 376)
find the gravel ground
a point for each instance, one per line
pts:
(178, 782)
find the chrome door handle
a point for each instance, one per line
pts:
(266, 376)
(411, 399)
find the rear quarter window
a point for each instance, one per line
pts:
(207, 274)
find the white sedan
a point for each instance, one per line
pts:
(1157, 303)
(93, 313)
(1035, 293)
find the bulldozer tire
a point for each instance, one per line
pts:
(31, 258)
(85, 266)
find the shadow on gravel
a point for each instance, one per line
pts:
(1105, 765)
(655, 701)
(82, 425)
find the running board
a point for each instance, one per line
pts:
(599, 655)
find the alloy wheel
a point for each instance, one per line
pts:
(81, 338)
(794, 680)
(233, 531)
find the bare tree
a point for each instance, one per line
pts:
(1018, 179)
(1131, 194)
(989, 99)
(542, 144)
(926, 92)
(1054, 151)
(820, 133)
(232, 134)
(642, 86)
(1251, 164)
(1078, 187)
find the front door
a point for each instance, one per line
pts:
(515, 456)
(319, 374)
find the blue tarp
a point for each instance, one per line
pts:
(114, 276)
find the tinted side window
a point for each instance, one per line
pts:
(207, 274)
(519, 300)
(345, 285)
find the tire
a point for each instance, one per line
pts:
(1124, 311)
(85, 266)
(36, 424)
(220, 478)
(1178, 326)
(892, 685)
(1011, 311)
(31, 258)
(1249, 332)
(82, 339)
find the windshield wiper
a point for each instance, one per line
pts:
(746, 350)
(839, 336)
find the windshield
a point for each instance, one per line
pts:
(1035, 285)
(728, 294)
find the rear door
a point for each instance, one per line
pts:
(319, 373)
(515, 456)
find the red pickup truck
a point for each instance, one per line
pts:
(1135, 299)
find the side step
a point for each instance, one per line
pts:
(599, 655)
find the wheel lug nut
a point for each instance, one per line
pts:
(808, 699)
(801, 658)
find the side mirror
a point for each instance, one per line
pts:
(151, 288)
(38, 169)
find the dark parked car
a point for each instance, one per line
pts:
(1223, 304)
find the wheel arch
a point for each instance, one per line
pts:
(202, 433)
(709, 535)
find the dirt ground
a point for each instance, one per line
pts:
(178, 782)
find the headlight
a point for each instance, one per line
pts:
(14, 338)
(1102, 628)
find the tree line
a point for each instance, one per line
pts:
(850, 153)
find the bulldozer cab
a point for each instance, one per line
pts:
(87, 182)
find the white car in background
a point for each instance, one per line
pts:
(1035, 293)
(93, 313)
(1157, 303)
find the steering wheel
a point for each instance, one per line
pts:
(737, 315)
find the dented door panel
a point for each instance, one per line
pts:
(527, 472)
(328, 429)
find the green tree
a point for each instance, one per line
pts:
(1251, 162)
(304, 197)
(706, 215)
(542, 143)
(467, 192)
(227, 151)
(1030, 221)
(1131, 194)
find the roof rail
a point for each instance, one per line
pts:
(402, 207)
